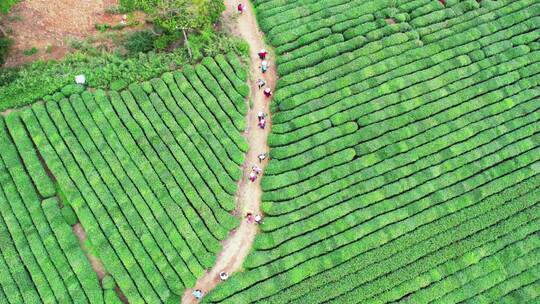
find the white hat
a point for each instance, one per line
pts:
(80, 79)
(263, 51)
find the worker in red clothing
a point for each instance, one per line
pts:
(241, 8)
(267, 92)
(262, 123)
(262, 54)
(252, 176)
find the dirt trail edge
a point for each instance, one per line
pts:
(248, 198)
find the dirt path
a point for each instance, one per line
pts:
(96, 264)
(238, 245)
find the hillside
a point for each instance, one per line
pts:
(400, 145)
(404, 154)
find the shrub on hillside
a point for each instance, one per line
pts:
(140, 42)
(5, 43)
(29, 83)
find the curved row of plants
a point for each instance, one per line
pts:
(40, 257)
(150, 171)
(404, 154)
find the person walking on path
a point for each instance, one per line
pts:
(264, 66)
(223, 275)
(256, 169)
(252, 176)
(262, 123)
(267, 92)
(249, 217)
(241, 7)
(262, 54)
(261, 83)
(198, 294)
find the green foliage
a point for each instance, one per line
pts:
(7, 75)
(71, 89)
(51, 254)
(111, 297)
(165, 40)
(27, 84)
(118, 85)
(436, 201)
(69, 215)
(174, 15)
(5, 44)
(139, 42)
(108, 282)
(6, 5)
(145, 170)
(29, 157)
(102, 27)
(30, 51)
(404, 161)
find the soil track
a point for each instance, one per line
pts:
(96, 264)
(248, 198)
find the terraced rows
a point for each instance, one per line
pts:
(40, 257)
(151, 172)
(405, 154)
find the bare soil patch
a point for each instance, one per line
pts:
(50, 26)
(390, 21)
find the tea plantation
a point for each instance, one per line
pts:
(41, 260)
(147, 172)
(404, 166)
(405, 155)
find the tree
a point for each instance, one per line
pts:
(185, 15)
(189, 15)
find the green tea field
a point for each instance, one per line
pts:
(405, 155)
(128, 166)
(400, 164)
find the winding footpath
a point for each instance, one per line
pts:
(248, 198)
